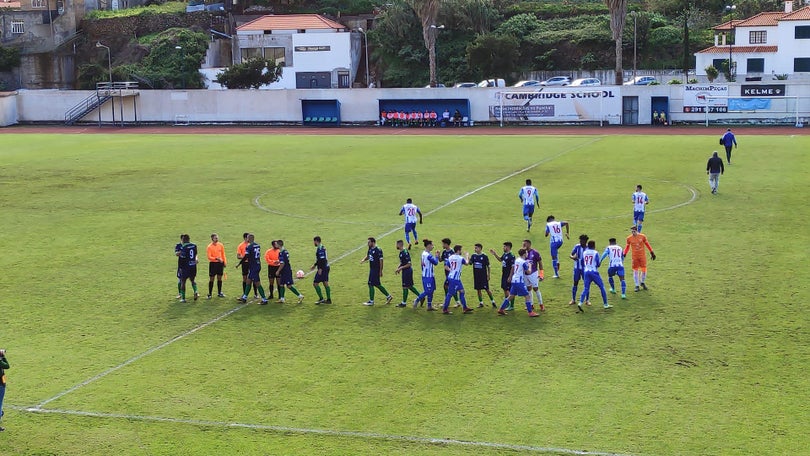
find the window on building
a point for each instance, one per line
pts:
(802, 32)
(275, 54)
(757, 37)
(801, 65)
(719, 63)
(250, 53)
(39, 4)
(756, 65)
(17, 27)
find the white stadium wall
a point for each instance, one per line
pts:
(8, 108)
(775, 103)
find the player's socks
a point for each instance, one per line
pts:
(194, 286)
(255, 291)
(529, 307)
(539, 297)
(261, 293)
(612, 285)
(210, 288)
(639, 227)
(281, 292)
(318, 291)
(383, 290)
(643, 276)
(505, 304)
(179, 287)
(635, 278)
(404, 295)
(556, 265)
(219, 287)
(295, 291)
(328, 293)
(574, 293)
(371, 293)
(624, 287)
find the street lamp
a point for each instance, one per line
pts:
(434, 77)
(109, 58)
(635, 41)
(365, 46)
(182, 67)
(730, 9)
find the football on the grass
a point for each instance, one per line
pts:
(300, 274)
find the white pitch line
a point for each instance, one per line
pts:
(137, 357)
(330, 432)
(344, 255)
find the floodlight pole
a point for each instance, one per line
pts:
(730, 9)
(109, 58)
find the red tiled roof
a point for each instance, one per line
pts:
(801, 14)
(761, 19)
(12, 5)
(727, 25)
(737, 49)
(291, 22)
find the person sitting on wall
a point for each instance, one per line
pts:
(457, 118)
(662, 118)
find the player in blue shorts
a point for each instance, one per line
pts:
(640, 201)
(518, 285)
(615, 255)
(591, 262)
(554, 231)
(428, 261)
(453, 266)
(322, 273)
(528, 196)
(406, 269)
(411, 212)
(576, 255)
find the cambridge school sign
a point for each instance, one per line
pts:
(559, 105)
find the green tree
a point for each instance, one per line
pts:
(9, 58)
(427, 12)
(618, 13)
(493, 55)
(251, 74)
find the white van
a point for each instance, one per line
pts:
(492, 83)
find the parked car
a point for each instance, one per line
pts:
(529, 83)
(439, 85)
(557, 81)
(465, 85)
(492, 83)
(586, 82)
(642, 81)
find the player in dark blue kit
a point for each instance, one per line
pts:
(176, 253)
(507, 261)
(187, 266)
(253, 258)
(406, 269)
(480, 264)
(322, 273)
(284, 274)
(375, 271)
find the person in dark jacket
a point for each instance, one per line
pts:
(714, 168)
(728, 140)
(3, 366)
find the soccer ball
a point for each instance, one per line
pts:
(299, 274)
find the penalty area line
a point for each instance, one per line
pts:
(328, 432)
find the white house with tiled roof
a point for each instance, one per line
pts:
(765, 44)
(315, 52)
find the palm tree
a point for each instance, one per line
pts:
(618, 12)
(427, 11)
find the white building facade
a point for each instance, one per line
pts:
(765, 45)
(316, 53)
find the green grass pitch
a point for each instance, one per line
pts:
(711, 360)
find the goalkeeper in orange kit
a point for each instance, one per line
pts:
(636, 243)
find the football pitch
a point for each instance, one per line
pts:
(712, 359)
